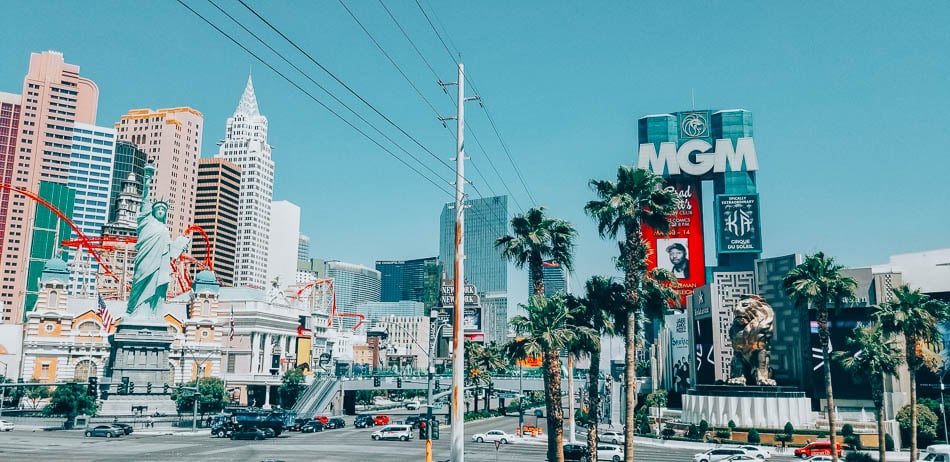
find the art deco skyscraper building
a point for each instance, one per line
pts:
(245, 144)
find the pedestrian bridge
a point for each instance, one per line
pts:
(501, 383)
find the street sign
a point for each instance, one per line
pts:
(506, 395)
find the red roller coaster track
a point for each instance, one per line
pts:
(333, 312)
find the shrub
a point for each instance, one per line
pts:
(668, 431)
(703, 428)
(723, 433)
(789, 429)
(858, 457)
(783, 437)
(732, 425)
(693, 432)
(854, 441)
(754, 437)
(926, 424)
(888, 442)
(847, 430)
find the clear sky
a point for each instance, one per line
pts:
(849, 103)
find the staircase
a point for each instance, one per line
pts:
(318, 397)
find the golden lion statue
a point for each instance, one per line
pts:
(751, 335)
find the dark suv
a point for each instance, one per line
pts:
(364, 421)
(414, 420)
(575, 452)
(335, 422)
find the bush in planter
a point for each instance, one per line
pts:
(858, 457)
(888, 442)
(668, 431)
(693, 432)
(847, 430)
(723, 433)
(789, 429)
(732, 425)
(754, 437)
(783, 438)
(854, 441)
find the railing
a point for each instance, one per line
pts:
(317, 396)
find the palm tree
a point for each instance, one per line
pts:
(870, 357)
(915, 316)
(537, 239)
(483, 361)
(547, 330)
(819, 284)
(597, 310)
(638, 198)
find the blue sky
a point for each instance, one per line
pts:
(849, 103)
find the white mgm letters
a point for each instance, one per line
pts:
(678, 161)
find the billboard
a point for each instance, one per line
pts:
(738, 227)
(681, 250)
(472, 311)
(679, 357)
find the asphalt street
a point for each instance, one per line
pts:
(347, 444)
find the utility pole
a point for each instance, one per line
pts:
(458, 337)
(570, 399)
(433, 323)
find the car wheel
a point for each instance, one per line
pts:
(88, 434)
(233, 438)
(479, 440)
(258, 437)
(614, 441)
(616, 458)
(404, 438)
(108, 435)
(585, 459)
(504, 441)
(375, 437)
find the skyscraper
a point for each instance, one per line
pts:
(284, 243)
(171, 139)
(121, 232)
(9, 122)
(216, 211)
(556, 279)
(90, 176)
(245, 144)
(54, 98)
(485, 221)
(128, 159)
(303, 247)
(354, 285)
(403, 280)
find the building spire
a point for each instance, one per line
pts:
(248, 104)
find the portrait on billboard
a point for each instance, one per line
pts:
(673, 256)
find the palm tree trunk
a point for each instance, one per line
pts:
(630, 377)
(913, 411)
(881, 447)
(552, 375)
(826, 357)
(475, 395)
(593, 403)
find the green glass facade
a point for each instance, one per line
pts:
(128, 159)
(48, 232)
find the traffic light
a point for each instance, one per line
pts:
(376, 381)
(437, 385)
(165, 388)
(422, 430)
(148, 388)
(124, 386)
(399, 382)
(93, 386)
(435, 429)
(491, 389)
(131, 387)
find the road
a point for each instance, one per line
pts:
(347, 444)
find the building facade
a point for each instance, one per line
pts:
(406, 342)
(404, 280)
(245, 144)
(90, 176)
(48, 232)
(556, 279)
(216, 211)
(284, 245)
(171, 140)
(485, 221)
(303, 248)
(129, 160)
(9, 123)
(54, 98)
(354, 285)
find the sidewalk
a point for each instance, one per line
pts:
(700, 446)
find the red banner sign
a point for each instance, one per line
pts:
(681, 250)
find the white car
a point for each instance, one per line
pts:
(757, 452)
(494, 435)
(610, 437)
(818, 459)
(393, 432)
(412, 405)
(6, 425)
(609, 452)
(715, 455)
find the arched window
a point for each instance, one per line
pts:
(205, 308)
(85, 369)
(88, 328)
(53, 298)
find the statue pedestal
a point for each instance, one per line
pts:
(139, 355)
(748, 406)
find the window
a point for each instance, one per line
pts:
(49, 327)
(85, 369)
(88, 328)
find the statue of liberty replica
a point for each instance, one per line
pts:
(154, 252)
(138, 369)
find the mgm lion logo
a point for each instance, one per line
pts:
(751, 335)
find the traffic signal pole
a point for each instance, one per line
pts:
(433, 322)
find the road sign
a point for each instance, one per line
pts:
(505, 395)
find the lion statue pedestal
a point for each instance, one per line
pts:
(750, 397)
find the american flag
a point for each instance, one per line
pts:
(231, 323)
(104, 315)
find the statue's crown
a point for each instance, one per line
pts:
(161, 203)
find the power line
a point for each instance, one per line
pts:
(325, 90)
(314, 98)
(347, 87)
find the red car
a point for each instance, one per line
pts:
(818, 448)
(381, 419)
(322, 419)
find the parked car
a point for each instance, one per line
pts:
(381, 419)
(818, 448)
(412, 405)
(335, 422)
(742, 458)
(364, 421)
(322, 418)
(126, 428)
(393, 432)
(248, 433)
(819, 459)
(107, 431)
(757, 451)
(6, 425)
(936, 452)
(312, 426)
(298, 424)
(493, 435)
(414, 420)
(611, 437)
(575, 453)
(715, 455)
(609, 452)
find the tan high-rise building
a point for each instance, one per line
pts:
(172, 140)
(216, 211)
(54, 98)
